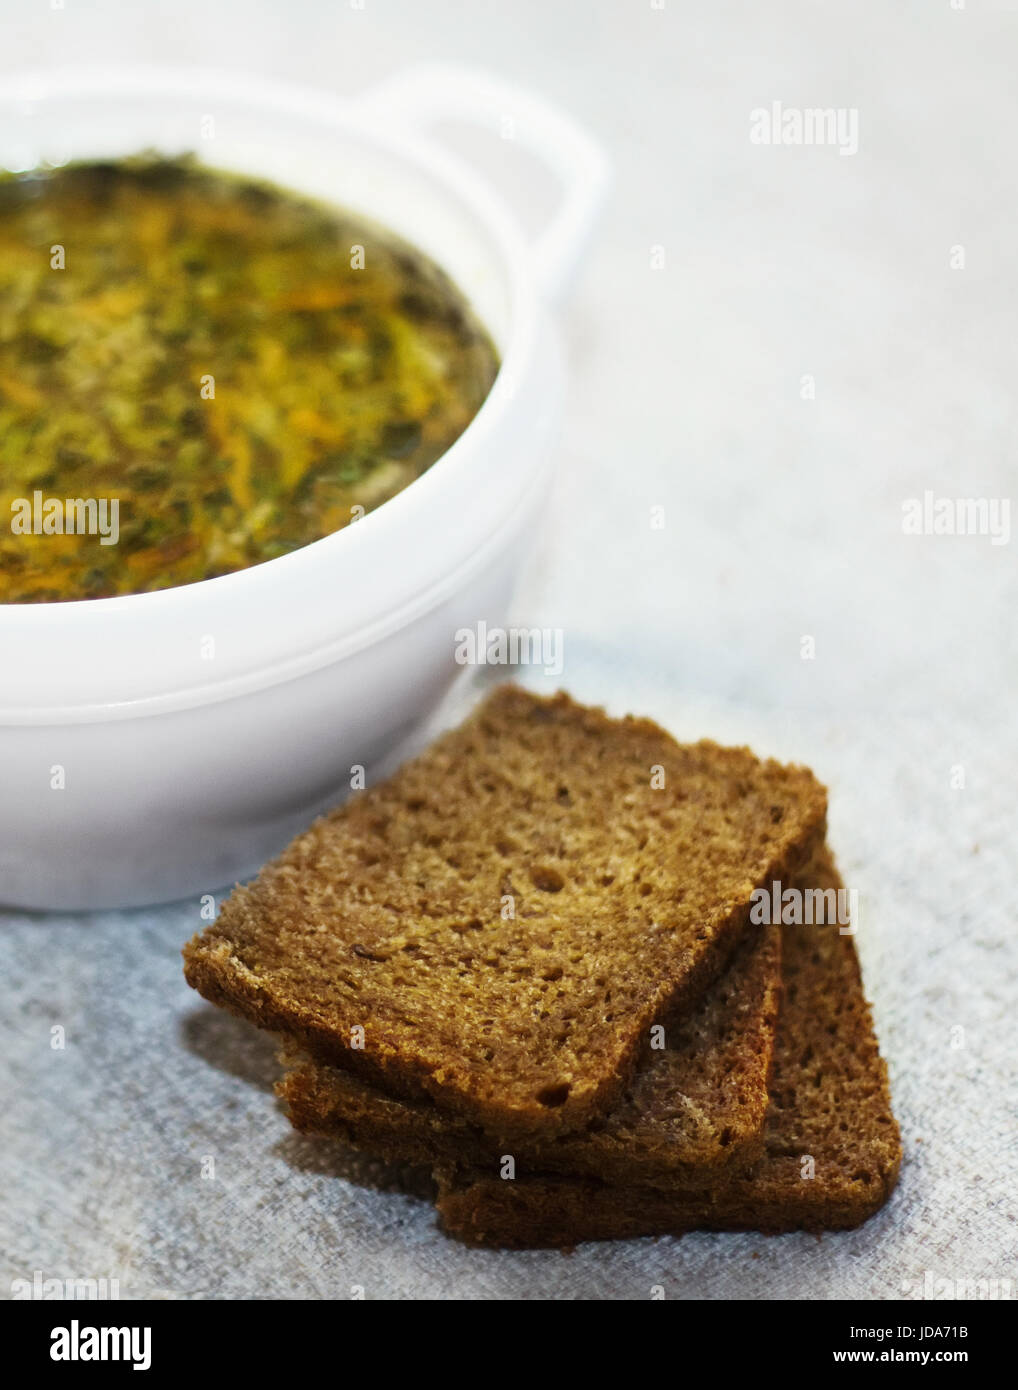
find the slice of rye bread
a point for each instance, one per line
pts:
(694, 1111)
(498, 924)
(829, 1103)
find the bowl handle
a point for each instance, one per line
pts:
(422, 95)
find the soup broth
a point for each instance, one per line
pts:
(199, 372)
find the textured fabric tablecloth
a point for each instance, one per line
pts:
(813, 352)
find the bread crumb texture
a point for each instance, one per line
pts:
(832, 1146)
(497, 926)
(695, 1108)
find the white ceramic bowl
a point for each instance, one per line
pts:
(183, 770)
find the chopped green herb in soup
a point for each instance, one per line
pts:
(199, 372)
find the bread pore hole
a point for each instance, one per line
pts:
(549, 880)
(554, 1096)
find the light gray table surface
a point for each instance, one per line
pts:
(783, 519)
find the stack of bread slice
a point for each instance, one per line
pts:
(530, 960)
